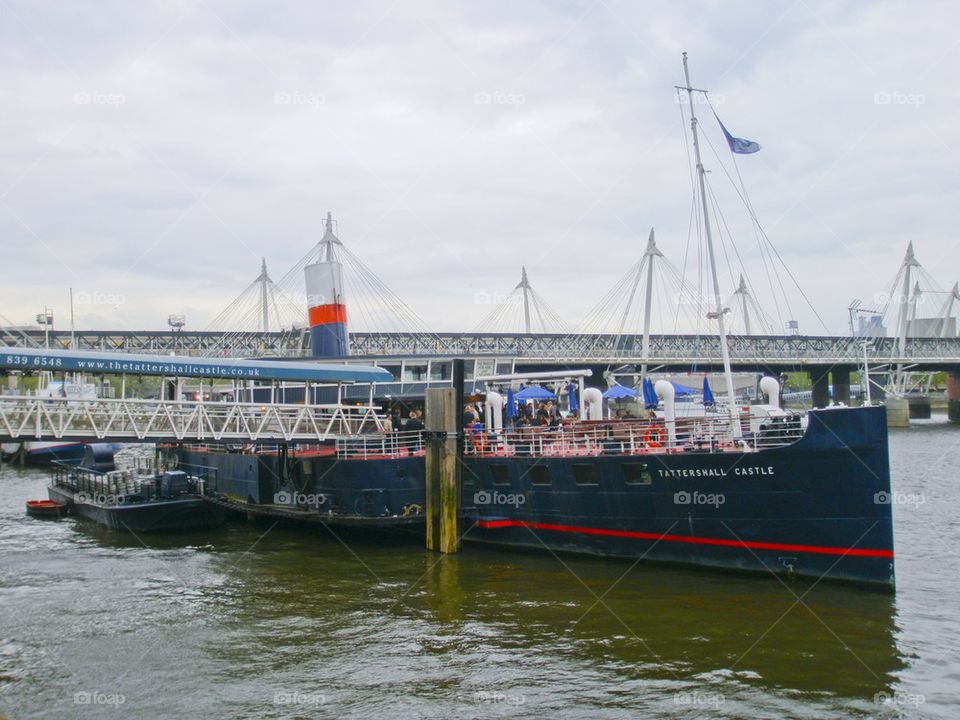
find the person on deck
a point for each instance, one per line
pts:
(543, 415)
(396, 425)
(414, 424)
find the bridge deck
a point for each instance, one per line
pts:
(674, 350)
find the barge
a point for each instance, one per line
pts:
(140, 500)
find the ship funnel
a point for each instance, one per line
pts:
(665, 391)
(771, 388)
(327, 311)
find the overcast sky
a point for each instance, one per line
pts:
(153, 152)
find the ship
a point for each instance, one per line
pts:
(757, 489)
(808, 499)
(143, 498)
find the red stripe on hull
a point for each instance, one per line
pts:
(819, 549)
(326, 314)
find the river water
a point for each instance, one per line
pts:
(260, 621)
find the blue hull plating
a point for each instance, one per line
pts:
(817, 508)
(154, 516)
(346, 491)
(71, 453)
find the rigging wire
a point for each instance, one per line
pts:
(507, 316)
(741, 191)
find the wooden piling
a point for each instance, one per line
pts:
(443, 464)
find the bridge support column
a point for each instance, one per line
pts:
(919, 408)
(820, 381)
(953, 395)
(841, 384)
(898, 412)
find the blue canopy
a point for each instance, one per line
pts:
(572, 395)
(116, 363)
(683, 390)
(511, 404)
(650, 399)
(707, 393)
(535, 392)
(620, 391)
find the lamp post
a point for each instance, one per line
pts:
(46, 319)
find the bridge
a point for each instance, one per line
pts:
(135, 420)
(70, 409)
(747, 352)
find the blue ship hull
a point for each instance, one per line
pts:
(818, 508)
(388, 491)
(177, 514)
(48, 453)
(43, 454)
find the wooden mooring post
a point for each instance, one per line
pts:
(444, 453)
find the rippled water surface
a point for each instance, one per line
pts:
(256, 621)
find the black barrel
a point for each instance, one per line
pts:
(98, 456)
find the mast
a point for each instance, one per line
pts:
(743, 293)
(906, 301)
(652, 252)
(916, 301)
(328, 241)
(264, 307)
(718, 303)
(525, 284)
(948, 310)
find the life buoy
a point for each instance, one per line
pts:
(479, 442)
(653, 437)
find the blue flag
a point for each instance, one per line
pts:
(738, 145)
(708, 399)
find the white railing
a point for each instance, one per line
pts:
(561, 348)
(603, 437)
(701, 434)
(32, 418)
(405, 443)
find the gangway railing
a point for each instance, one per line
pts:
(24, 417)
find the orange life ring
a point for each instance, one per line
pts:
(479, 441)
(653, 437)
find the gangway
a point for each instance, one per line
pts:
(25, 416)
